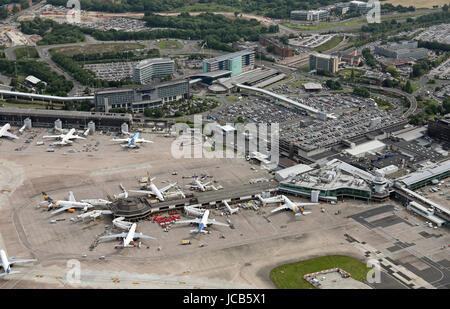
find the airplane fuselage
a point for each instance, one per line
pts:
(5, 263)
(130, 236)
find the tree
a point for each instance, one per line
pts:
(408, 87)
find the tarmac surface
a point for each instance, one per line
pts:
(237, 257)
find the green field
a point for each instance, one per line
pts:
(290, 276)
(169, 44)
(26, 52)
(348, 72)
(330, 44)
(96, 48)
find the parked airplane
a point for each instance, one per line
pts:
(65, 139)
(6, 264)
(297, 208)
(203, 222)
(199, 185)
(128, 238)
(124, 193)
(121, 223)
(132, 142)
(94, 214)
(231, 210)
(194, 211)
(65, 205)
(4, 132)
(153, 190)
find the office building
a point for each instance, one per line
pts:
(323, 62)
(237, 62)
(401, 50)
(311, 15)
(278, 48)
(440, 128)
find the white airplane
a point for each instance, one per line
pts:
(203, 222)
(194, 211)
(4, 132)
(95, 214)
(6, 264)
(199, 185)
(65, 205)
(65, 139)
(231, 210)
(153, 190)
(132, 142)
(124, 193)
(121, 223)
(129, 237)
(297, 208)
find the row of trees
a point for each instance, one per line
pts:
(269, 8)
(216, 30)
(52, 32)
(116, 56)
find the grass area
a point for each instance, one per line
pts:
(348, 72)
(96, 48)
(26, 52)
(418, 3)
(169, 44)
(322, 26)
(290, 276)
(27, 105)
(330, 44)
(299, 83)
(232, 99)
(415, 87)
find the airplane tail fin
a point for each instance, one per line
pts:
(46, 197)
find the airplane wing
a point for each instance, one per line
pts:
(284, 206)
(189, 221)
(167, 187)
(72, 197)
(142, 191)
(115, 236)
(143, 141)
(275, 199)
(51, 136)
(305, 204)
(7, 134)
(13, 261)
(61, 210)
(77, 137)
(120, 140)
(216, 223)
(142, 236)
(10, 273)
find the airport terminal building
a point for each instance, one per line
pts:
(139, 98)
